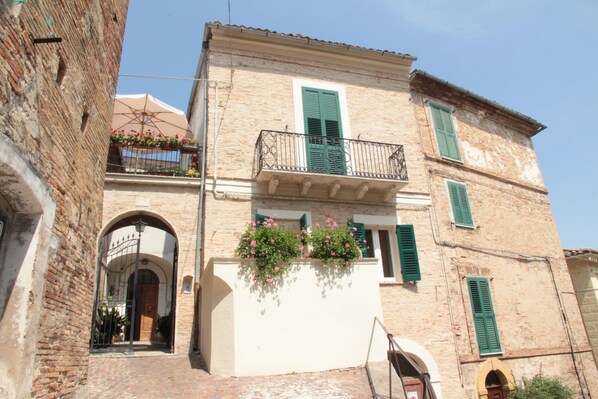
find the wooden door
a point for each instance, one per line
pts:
(414, 388)
(495, 393)
(149, 312)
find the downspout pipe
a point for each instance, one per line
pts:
(202, 189)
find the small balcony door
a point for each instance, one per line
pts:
(322, 121)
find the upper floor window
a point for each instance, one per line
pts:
(322, 122)
(392, 247)
(460, 204)
(445, 132)
(484, 318)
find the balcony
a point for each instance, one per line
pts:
(131, 159)
(333, 167)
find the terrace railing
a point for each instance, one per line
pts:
(154, 161)
(295, 152)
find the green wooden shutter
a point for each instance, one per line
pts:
(445, 132)
(259, 219)
(460, 204)
(359, 236)
(408, 253)
(303, 226)
(322, 120)
(311, 112)
(303, 222)
(483, 315)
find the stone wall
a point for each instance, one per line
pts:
(56, 106)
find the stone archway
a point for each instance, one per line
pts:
(147, 303)
(494, 378)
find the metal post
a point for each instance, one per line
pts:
(134, 304)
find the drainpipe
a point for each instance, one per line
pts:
(202, 189)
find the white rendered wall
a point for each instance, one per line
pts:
(315, 319)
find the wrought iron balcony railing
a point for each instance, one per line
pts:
(154, 161)
(295, 152)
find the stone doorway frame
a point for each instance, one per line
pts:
(502, 370)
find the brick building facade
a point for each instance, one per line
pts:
(487, 306)
(59, 65)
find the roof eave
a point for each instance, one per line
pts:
(537, 126)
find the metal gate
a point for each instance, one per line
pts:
(113, 321)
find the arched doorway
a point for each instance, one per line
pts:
(494, 380)
(135, 297)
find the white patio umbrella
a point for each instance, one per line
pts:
(142, 113)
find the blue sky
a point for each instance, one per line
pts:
(539, 57)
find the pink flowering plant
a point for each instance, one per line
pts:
(267, 249)
(334, 245)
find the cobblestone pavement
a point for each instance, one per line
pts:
(170, 376)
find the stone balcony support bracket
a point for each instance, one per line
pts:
(361, 190)
(333, 189)
(390, 193)
(272, 185)
(305, 186)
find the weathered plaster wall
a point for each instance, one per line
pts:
(584, 274)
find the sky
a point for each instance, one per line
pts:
(539, 57)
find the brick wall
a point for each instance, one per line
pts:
(42, 115)
(176, 205)
(514, 244)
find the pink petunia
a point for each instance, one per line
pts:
(268, 280)
(332, 253)
(347, 245)
(253, 243)
(301, 247)
(276, 269)
(354, 228)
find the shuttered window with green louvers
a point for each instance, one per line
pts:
(322, 121)
(259, 219)
(484, 318)
(359, 235)
(460, 204)
(408, 253)
(445, 132)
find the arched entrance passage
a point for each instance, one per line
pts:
(494, 380)
(135, 285)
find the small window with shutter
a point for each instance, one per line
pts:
(484, 319)
(378, 241)
(445, 132)
(460, 204)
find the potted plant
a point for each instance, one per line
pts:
(109, 323)
(164, 327)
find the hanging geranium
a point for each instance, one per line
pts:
(267, 249)
(334, 244)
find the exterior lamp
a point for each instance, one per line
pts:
(140, 226)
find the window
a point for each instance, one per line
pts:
(484, 319)
(445, 132)
(292, 220)
(390, 249)
(322, 122)
(460, 204)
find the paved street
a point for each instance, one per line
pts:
(169, 376)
